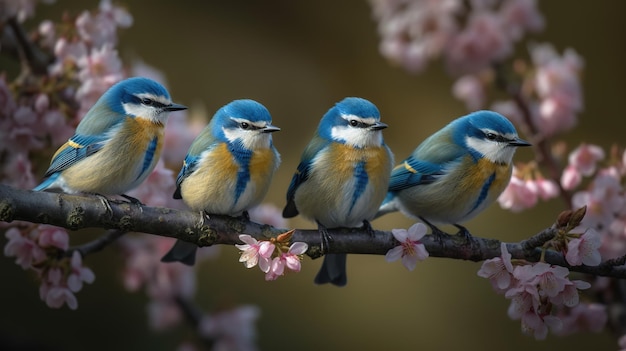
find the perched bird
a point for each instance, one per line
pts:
(228, 167)
(455, 173)
(342, 177)
(117, 143)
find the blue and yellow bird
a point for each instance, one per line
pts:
(228, 168)
(117, 143)
(455, 173)
(342, 177)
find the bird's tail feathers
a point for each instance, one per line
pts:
(388, 206)
(47, 183)
(183, 252)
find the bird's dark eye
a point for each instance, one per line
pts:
(147, 102)
(244, 125)
(491, 136)
(354, 122)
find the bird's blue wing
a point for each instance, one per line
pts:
(203, 142)
(413, 172)
(302, 174)
(75, 149)
(429, 161)
(91, 135)
(189, 165)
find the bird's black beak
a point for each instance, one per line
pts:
(378, 126)
(519, 142)
(175, 107)
(270, 129)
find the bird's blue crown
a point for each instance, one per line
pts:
(246, 109)
(126, 90)
(349, 106)
(473, 124)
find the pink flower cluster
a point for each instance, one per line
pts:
(20, 9)
(537, 291)
(525, 189)
(34, 248)
(162, 282)
(552, 91)
(91, 58)
(58, 287)
(233, 329)
(603, 195)
(272, 262)
(411, 250)
(470, 36)
(25, 125)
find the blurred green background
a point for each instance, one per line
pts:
(298, 58)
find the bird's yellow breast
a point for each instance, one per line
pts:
(213, 185)
(117, 167)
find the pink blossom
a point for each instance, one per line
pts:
(509, 109)
(518, 195)
(582, 318)
(604, 201)
(289, 259)
(546, 188)
(57, 126)
(569, 295)
(470, 90)
(47, 32)
(144, 269)
(254, 252)
(23, 248)
(413, 32)
(482, 42)
(79, 274)
(51, 236)
(18, 171)
(558, 87)
(613, 243)
(163, 314)
(571, 177)
(537, 325)
(100, 28)
(584, 250)
(622, 342)
(20, 9)
(231, 330)
(56, 296)
(521, 16)
(54, 290)
(551, 280)
(498, 270)
(585, 158)
(410, 250)
(524, 298)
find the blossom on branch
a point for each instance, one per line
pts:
(411, 250)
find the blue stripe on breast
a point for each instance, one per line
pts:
(361, 183)
(147, 160)
(242, 156)
(484, 192)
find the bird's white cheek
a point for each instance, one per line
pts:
(357, 137)
(250, 139)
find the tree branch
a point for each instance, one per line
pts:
(76, 212)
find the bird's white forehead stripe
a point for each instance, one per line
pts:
(505, 135)
(159, 98)
(366, 120)
(260, 124)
